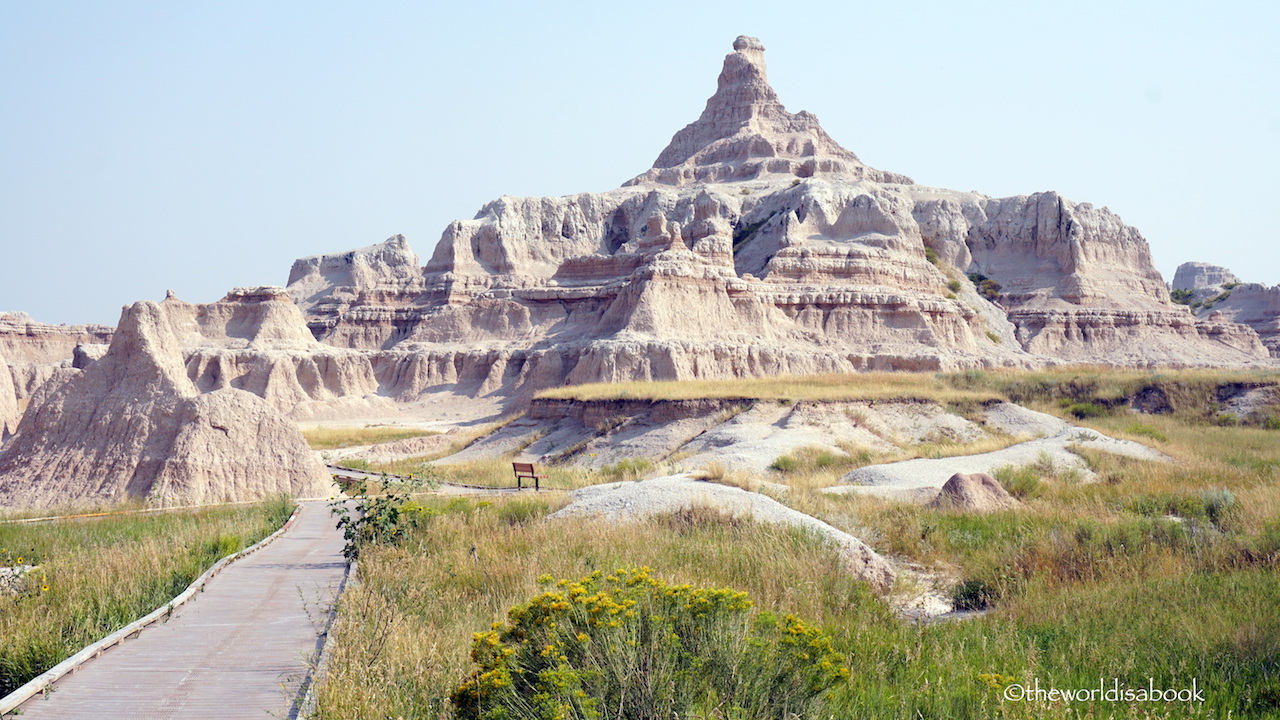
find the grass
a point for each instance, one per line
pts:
(828, 388)
(103, 573)
(333, 438)
(1158, 570)
(402, 646)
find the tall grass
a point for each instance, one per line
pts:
(402, 646)
(100, 574)
(1168, 571)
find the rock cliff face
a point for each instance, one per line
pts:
(133, 425)
(756, 245)
(9, 412)
(1257, 306)
(1192, 276)
(27, 342)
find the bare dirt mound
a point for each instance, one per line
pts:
(976, 492)
(133, 425)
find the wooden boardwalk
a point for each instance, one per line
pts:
(241, 649)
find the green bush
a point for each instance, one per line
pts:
(630, 646)
(1086, 410)
(931, 255)
(973, 594)
(986, 287)
(1020, 482)
(1182, 297)
(953, 286)
(378, 519)
(1218, 504)
(784, 464)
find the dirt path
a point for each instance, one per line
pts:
(241, 649)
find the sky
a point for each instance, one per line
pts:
(147, 146)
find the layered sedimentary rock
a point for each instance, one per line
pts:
(9, 408)
(1252, 304)
(133, 425)
(1217, 295)
(25, 341)
(756, 245)
(1192, 276)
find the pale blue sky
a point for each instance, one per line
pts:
(202, 146)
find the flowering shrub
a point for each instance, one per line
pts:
(627, 645)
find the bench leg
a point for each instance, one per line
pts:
(519, 483)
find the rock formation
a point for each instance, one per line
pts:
(976, 492)
(1197, 275)
(133, 425)
(9, 409)
(1254, 305)
(1216, 295)
(27, 342)
(756, 245)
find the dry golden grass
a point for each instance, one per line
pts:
(464, 570)
(332, 438)
(829, 388)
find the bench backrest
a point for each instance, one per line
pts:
(522, 468)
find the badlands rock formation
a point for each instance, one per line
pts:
(133, 425)
(38, 353)
(27, 342)
(9, 412)
(756, 245)
(1215, 293)
(1197, 275)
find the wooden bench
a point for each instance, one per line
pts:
(525, 471)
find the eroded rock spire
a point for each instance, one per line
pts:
(744, 132)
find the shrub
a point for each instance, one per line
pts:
(953, 286)
(628, 645)
(1086, 410)
(1020, 482)
(973, 594)
(1217, 504)
(1182, 297)
(931, 255)
(986, 287)
(608, 425)
(784, 464)
(378, 519)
